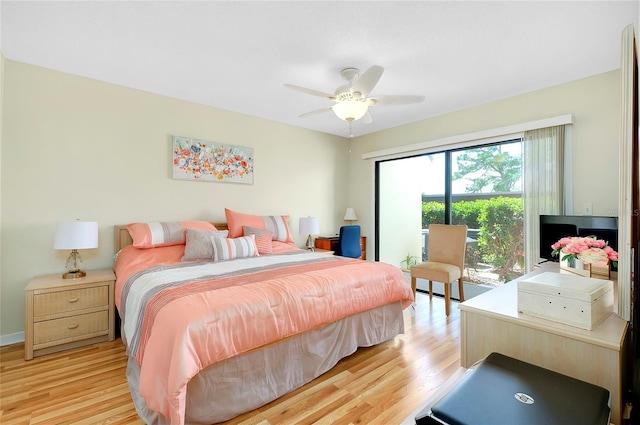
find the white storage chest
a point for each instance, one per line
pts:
(574, 300)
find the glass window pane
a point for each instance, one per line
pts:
(400, 191)
(485, 188)
(487, 197)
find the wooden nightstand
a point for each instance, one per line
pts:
(68, 313)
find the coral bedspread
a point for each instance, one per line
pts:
(178, 318)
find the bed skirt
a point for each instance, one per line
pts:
(243, 383)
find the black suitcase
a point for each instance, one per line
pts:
(503, 390)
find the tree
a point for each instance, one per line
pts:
(489, 168)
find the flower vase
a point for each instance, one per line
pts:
(575, 266)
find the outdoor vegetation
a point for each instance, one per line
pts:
(498, 224)
(495, 219)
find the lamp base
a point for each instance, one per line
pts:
(74, 274)
(309, 245)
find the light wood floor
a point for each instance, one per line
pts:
(377, 385)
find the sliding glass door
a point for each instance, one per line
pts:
(480, 187)
(400, 185)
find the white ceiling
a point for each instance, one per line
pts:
(236, 55)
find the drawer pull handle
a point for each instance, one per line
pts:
(72, 326)
(74, 300)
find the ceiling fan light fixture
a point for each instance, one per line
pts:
(350, 110)
(352, 101)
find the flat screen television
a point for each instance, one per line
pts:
(554, 227)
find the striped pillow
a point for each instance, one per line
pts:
(152, 235)
(228, 248)
(263, 239)
(276, 224)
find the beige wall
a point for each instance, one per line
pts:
(594, 103)
(79, 148)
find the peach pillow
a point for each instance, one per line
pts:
(156, 234)
(263, 239)
(276, 224)
(282, 247)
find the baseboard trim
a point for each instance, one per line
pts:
(11, 339)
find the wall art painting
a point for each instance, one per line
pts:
(198, 160)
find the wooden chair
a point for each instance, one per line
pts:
(446, 250)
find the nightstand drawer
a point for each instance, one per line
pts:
(52, 303)
(68, 329)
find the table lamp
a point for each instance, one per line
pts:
(75, 235)
(350, 215)
(309, 226)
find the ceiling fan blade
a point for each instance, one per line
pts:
(317, 111)
(367, 118)
(310, 91)
(367, 80)
(394, 100)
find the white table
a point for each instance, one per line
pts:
(491, 322)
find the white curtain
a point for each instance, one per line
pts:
(543, 176)
(627, 143)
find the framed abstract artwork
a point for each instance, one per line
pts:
(198, 160)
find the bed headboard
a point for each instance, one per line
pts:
(122, 237)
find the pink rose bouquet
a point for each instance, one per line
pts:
(587, 249)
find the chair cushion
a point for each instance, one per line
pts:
(439, 272)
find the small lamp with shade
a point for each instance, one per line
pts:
(350, 215)
(309, 226)
(75, 235)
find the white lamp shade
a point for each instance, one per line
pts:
(350, 110)
(350, 214)
(76, 235)
(309, 226)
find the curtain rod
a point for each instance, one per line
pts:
(479, 135)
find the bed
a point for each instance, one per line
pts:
(209, 340)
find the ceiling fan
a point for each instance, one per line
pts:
(351, 100)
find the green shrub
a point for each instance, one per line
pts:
(501, 236)
(462, 212)
(468, 212)
(432, 212)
